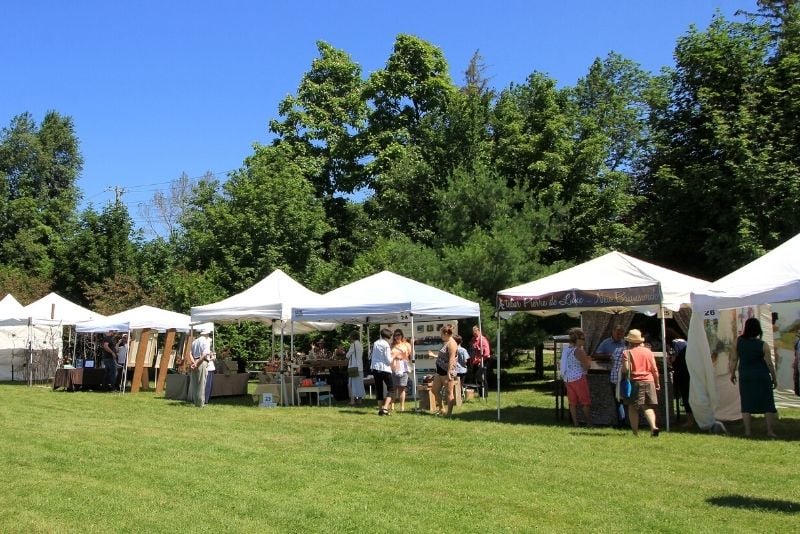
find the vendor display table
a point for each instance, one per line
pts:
(177, 385)
(72, 379)
(229, 385)
(314, 389)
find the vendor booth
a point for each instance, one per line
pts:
(143, 324)
(605, 292)
(387, 297)
(35, 333)
(719, 310)
(269, 301)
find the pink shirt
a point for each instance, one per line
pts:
(643, 367)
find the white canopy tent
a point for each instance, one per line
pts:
(142, 317)
(13, 338)
(56, 309)
(386, 297)
(51, 311)
(612, 283)
(772, 278)
(269, 301)
(9, 306)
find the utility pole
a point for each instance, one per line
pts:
(118, 192)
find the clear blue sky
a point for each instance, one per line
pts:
(157, 88)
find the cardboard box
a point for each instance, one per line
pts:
(273, 389)
(426, 399)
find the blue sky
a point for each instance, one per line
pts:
(157, 88)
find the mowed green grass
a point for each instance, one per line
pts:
(99, 462)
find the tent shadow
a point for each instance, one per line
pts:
(755, 503)
(515, 415)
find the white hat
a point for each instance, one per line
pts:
(205, 331)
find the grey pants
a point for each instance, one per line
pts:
(197, 384)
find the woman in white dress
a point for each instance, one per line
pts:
(355, 369)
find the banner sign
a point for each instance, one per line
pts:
(575, 298)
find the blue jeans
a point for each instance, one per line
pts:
(110, 376)
(618, 407)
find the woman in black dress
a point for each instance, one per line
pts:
(756, 376)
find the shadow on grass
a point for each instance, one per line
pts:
(755, 503)
(515, 415)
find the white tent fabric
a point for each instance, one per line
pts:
(774, 277)
(53, 309)
(142, 317)
(270, 300)
(36, 327)
(10, 307)
(613, 283)
(385, 297)
(13, 339)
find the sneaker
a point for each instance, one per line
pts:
(654, 433)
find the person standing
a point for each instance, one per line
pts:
(109, 362)
(381, 367)
(401, 355)
(757, 377)
(640, 362)
(122, 357)
(479, 352)
(619, 407)
(574, 365)
(201, 353)
(355, 369)
(462, 357)
(796, 364)
(446, 377)
(610, 345)
(211, 370)
(676, 347)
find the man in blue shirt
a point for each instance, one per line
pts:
(613, 346)
(608, 346)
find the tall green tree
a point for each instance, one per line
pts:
(322, 121)
(266, 216)
(39, 165)
(712, 189)
(103, 248)
(408, 101)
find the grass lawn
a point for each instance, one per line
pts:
(77, 462)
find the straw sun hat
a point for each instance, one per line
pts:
(634, 336)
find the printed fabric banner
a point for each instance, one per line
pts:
(575, 298)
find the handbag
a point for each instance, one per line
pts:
(353, 372)
(627, 388)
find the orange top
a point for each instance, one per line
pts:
(643, 364)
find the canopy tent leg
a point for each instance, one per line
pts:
(284, 399)
(30, 352)
(497, 354)
(414, 367)
(665, 378)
